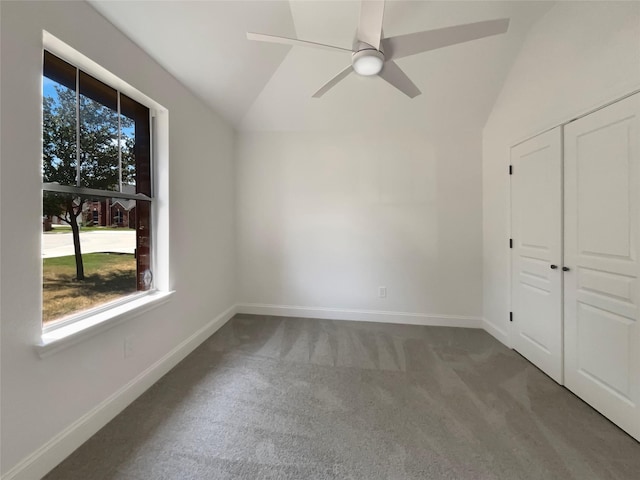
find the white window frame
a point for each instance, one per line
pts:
(87, 323)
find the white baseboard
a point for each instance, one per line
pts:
(496, 332)
(45, 458)
(361, 315)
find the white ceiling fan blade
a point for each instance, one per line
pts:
(261, 37)
(370, 25)
(412, 43)
(392, 73)
(332, 83)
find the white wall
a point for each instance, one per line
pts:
(40, 397)
(579, 56)
(325, 218)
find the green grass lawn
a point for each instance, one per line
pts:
(108, 276)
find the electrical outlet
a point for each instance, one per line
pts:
(128, 346)
(382, 292)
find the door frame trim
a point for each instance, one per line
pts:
(583, 113)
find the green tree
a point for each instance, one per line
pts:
(98, 155)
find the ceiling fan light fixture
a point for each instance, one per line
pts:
(367, 62)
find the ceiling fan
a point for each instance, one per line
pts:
(374, 55)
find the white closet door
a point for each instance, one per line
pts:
(602, 331)
(536, 226)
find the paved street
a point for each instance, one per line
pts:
(61, 244)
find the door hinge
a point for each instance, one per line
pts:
(510, 169)
(511, 316)
(511, 243)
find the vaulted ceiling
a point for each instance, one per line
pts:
(259, 86)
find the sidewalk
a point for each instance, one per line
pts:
(61, 244)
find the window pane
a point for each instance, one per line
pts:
(59, 155)
(127, 145)
(107, 243)
(99, 159)
(95, 250)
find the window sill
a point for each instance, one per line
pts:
(55, 340)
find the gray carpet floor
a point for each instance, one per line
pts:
(278, 398)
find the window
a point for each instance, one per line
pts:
(97, 197)
(118, 217)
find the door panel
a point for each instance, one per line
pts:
(602, 334)
(602, 173)
(537, 244)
